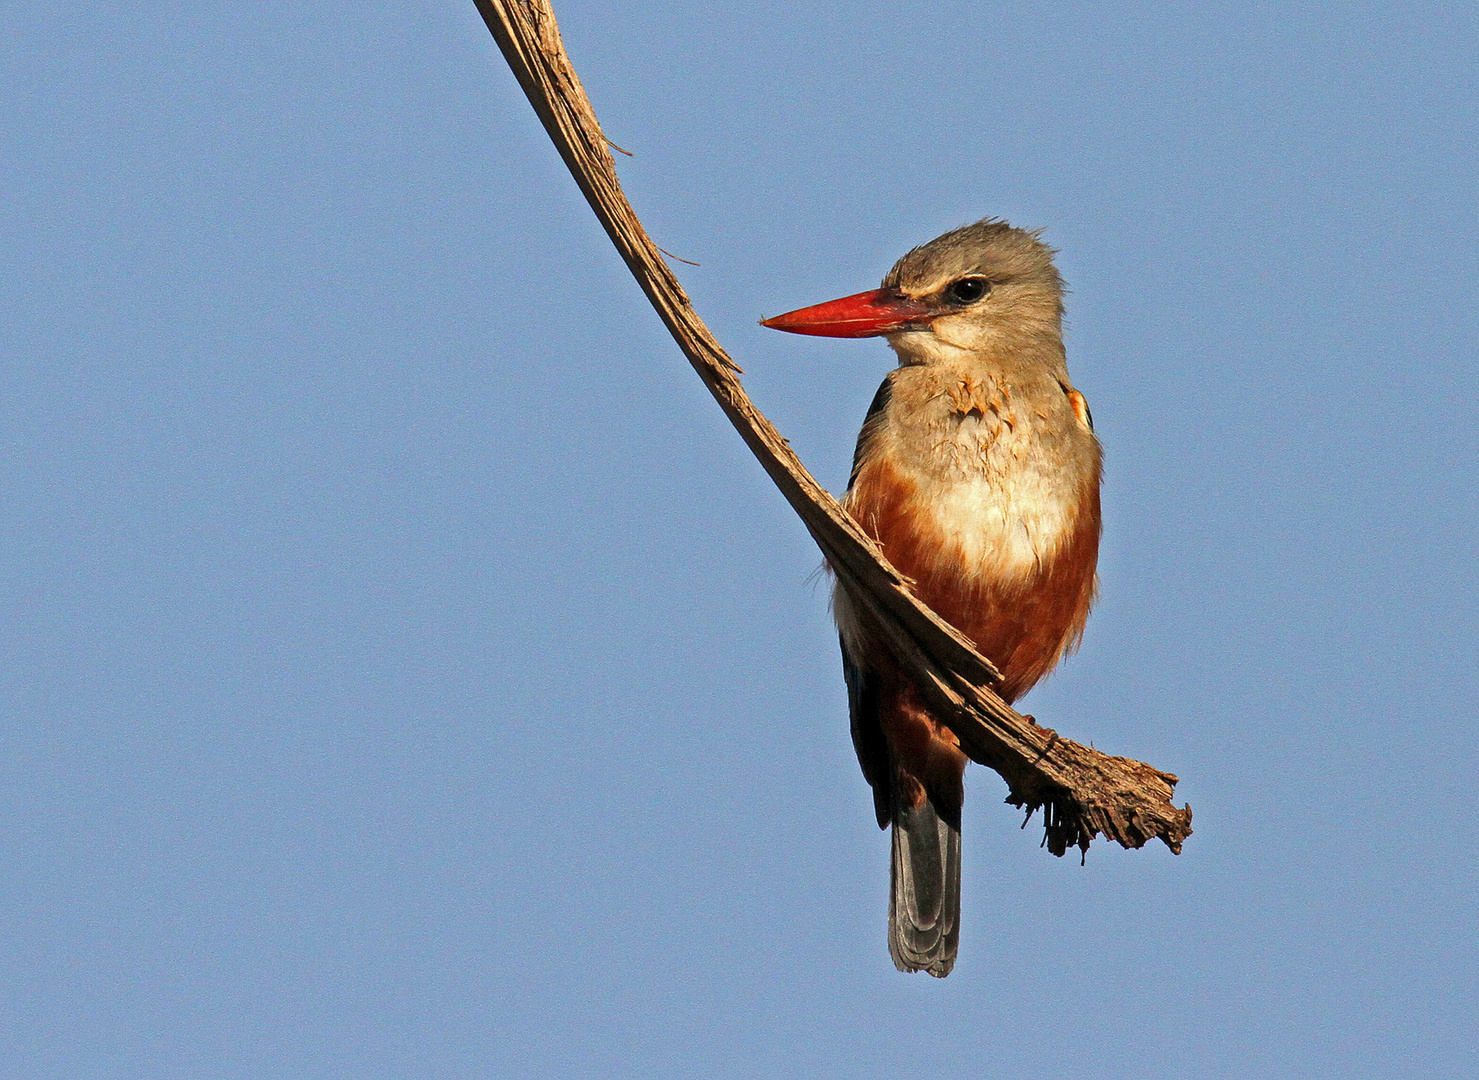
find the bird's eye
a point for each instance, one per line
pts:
(967, 290)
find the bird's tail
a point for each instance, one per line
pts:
(924, 902)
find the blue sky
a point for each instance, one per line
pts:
(408, 673)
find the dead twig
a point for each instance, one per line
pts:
(1084, 793)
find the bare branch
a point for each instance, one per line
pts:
(1085, 793)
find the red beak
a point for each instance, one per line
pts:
(866, 314)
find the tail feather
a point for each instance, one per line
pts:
(924, 901)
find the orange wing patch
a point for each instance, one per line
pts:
(1081, 409)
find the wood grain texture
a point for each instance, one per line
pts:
(1083, 793)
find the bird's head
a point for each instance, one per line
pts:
(974, 287)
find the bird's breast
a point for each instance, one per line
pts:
(975, 528)
(986, 492)
(1000, 520)
(996, 519)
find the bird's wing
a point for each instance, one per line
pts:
(862, 689)
(871, 425)
(867, 735)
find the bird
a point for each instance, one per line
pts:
(977, 472)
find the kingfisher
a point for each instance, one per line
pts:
(977, 472)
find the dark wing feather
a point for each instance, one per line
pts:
(871, 423)
(862, 693)
(867, 737)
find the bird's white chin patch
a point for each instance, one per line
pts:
(924, 347)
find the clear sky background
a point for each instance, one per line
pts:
(408, 673)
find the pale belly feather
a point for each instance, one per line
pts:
(989, 498)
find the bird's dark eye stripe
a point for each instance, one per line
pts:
(967, 290)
